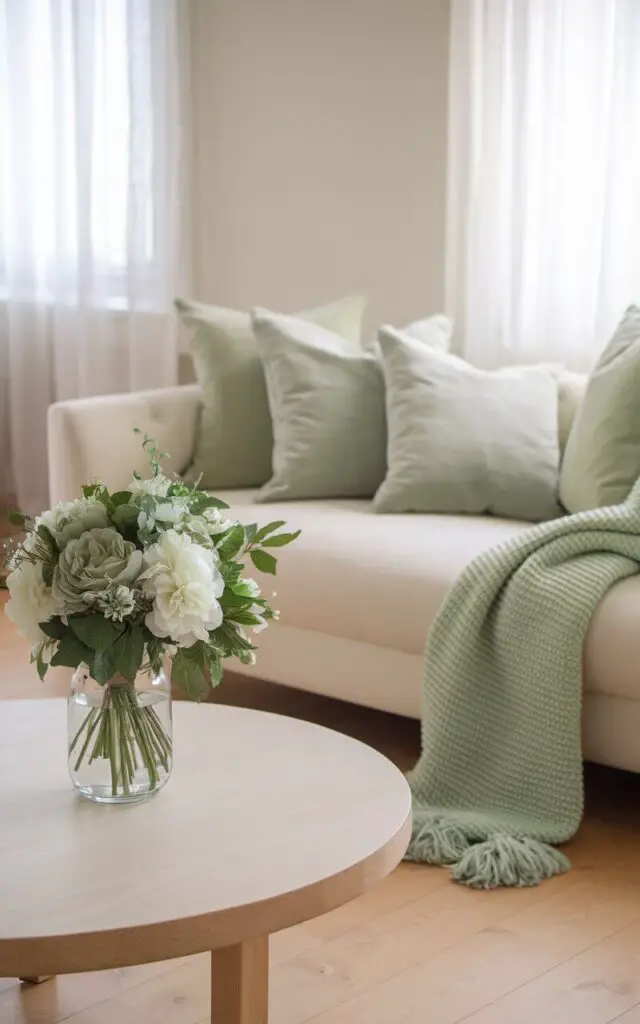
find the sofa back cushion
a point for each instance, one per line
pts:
(467, 440)
(234, 439)
(602, 458)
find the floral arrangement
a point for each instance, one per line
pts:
(119, 582)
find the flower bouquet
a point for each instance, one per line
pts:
(115, 585)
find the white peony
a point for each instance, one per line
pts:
(157, 486)
(70, 519)
(185, 584)
(30, 601)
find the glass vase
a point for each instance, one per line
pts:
(119, 736)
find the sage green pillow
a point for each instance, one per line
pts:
(327, 403)
(234, 438)
(602, 458)
(326, 396)
(464, 440)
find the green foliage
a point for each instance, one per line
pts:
(128, 652)
(228, 642)
(250, 532)
(189, 670)
(231, 572)
(104, 665)
(200, 501)
(120, 498)
(263, 561)
(155, 651)
(232, 542)
(55, 629)
(151, 448)
(95, 631)
(243, 618)
(125, 520)
(17, 518)
(280, 539)
(264, 531)
(72, 652)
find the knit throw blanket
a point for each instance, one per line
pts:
(500, 775)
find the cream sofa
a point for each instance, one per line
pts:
(358, 591)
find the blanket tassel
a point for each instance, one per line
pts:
(436, 840)
(509, 860)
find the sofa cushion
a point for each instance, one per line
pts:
(380, 580)
(463, 439)
(233, 442)
(360, 576)
(602, 458)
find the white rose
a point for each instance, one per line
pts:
(70, 519)
(157, 486)
(185, 584)
(171, 511)
(30, 601)
(216, 521)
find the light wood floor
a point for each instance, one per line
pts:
(418, 949)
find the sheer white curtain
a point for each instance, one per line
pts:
(91, 169)
(544, 177)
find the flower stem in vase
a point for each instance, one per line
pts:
(125, 730)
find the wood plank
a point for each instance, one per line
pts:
(476, 971)
(595, 987)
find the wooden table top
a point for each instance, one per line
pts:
(266, 821)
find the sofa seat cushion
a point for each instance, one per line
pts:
(360, 576)
(380, 580)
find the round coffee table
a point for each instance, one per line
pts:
(267, 821)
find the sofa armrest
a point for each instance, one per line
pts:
(93, 438)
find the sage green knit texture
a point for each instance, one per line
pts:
(500, 775)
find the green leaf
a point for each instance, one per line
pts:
(46, 535)
(95, 631)
(47, 574)
(281, 539)
(125, 519)
(120, 498)
(264, 531)
(227, 640)
(214, 665)
(250, 533)
(243, 618)
(232, 600)
(128, 652)
(202, 500)
(72, 652)
(89, 490)
(232, 543)
(155, 651)
(189, 671)
(103, 665)
(263, 561)
(55, 629)
(42, 667)
(17, 518)
(231, 572)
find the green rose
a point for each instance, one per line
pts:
(90, 564)
(70, 519)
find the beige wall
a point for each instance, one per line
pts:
(320, 144)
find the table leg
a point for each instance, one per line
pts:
(36, 979)
(240, 983)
